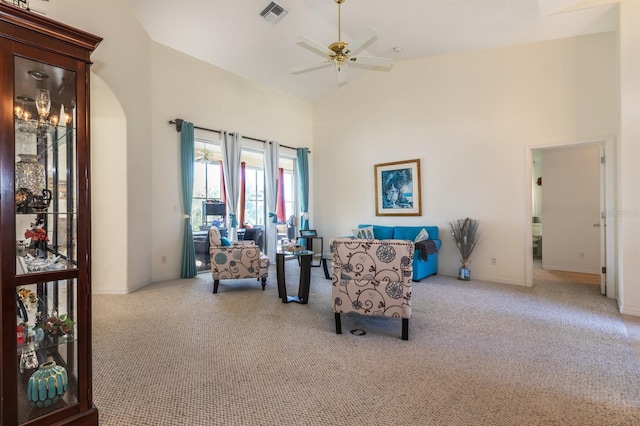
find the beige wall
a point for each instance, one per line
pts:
(209, 97)
(629, 152)
(470, 119)
(108, 190)
(123, 63)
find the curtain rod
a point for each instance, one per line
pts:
(178, 123)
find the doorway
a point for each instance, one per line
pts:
(569, 196)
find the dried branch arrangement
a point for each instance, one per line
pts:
(467, 235)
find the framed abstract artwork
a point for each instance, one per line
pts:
(398, 188)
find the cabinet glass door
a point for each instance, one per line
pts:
(45, 173)
(46, 238)
(47, 348)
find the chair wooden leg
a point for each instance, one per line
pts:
(405, 328)
(215, 285)
(264, 282)
(338, 323)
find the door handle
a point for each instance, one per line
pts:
(596, 225)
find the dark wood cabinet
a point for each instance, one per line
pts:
(45, 287)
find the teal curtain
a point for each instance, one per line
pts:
(303, 176)
(187, 150)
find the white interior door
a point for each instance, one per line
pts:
(571, 209)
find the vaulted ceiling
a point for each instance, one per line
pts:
(232, 35)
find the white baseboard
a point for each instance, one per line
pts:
(163, 278)
(107, 293)
(487, 279)
(629, 311)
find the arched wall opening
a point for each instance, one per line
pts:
(108, 190)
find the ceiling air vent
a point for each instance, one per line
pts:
(273, 13)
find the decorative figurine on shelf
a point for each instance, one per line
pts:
(20, 334)
(28, 358)
(40, 203)
(21, 309)
(38, 236)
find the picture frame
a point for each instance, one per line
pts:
(397, 188)
(308, 233)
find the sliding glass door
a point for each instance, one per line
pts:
(209, 198)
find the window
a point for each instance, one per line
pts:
(207, 186)
(206, 181)
(254, 196)
(287, 164)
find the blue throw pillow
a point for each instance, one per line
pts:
(225, 242)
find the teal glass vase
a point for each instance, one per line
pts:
(464, 274)
(47, 385)
(463, 271)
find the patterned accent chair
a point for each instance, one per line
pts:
(372, 277)
(242, 259)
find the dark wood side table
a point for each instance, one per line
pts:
(324, 257)
(304, 257)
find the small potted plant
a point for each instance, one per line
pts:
(58, 325)
(467, 235)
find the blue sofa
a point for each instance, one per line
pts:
(421, 268)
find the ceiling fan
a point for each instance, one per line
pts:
(340, 53)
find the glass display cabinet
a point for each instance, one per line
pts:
(44, 221)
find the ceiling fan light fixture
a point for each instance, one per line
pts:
(339, 53)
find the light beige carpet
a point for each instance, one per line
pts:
(479, 353)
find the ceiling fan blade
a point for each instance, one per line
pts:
(314, 45)
(310, 67)
(362, 40)
(371, 61)
(341, 73)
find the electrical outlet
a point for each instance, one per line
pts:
(494, 261)
(163, 259)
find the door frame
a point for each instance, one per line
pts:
(608, 219)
